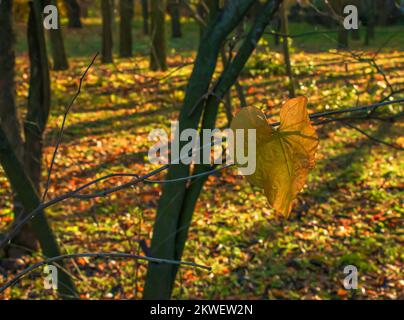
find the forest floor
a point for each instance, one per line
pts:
(349, 213)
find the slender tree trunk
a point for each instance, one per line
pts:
(342, 34)
(370, 22)
(9, 120)
(342, 37)
(158, 55)
(368, 34)
(239, 90)
(241, 95)
(286, 53)
(10, 123)
(57, 46)
(171, 226)
(37, 108)
(206, 10)
(107, 42)
(174, 11)
(201, 12)
(73, 11)
(384, 9)
(38, 97)
(356, 34)
(145, 16)
(278, 27)
(84, 8)
(27, 193)
(228, 107)
(125, 30)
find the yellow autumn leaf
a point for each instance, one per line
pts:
(283, 156)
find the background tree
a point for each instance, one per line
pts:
(59, 56)
(158, 55)
(356, 35)
(9, 120)
(85, 5)
(201, 12)
(173, 8)
(29, 152)
(73, 11)
(370, 20)
(145, 16)
(342, 34)
(107, 42)
(30, 200)
(38, 99)
(125, 29)
(286, 54)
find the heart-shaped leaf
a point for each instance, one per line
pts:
(283, 156)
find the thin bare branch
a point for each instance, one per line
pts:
(59, 140)
(371, 137)
(98, 255)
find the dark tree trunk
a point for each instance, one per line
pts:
(342, 33)
(57, 46)
(107, 43)
(356, 35)
(11, 146)
(21, 183)
(84, 8)
(158, 55)
(206, 11)
(8, 110)
(125, 30)
(177, 203)
(201, 12)
(277, 26)
(369, 33)
(9, 120)
(239, 90)
(174, 11)
(38, 98)
(145, 15)
(342, 37)
(384, 10)
(227, 80)
(370, 21)
(37, 113)
(286, 53)
(73, 11)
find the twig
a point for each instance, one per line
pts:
(299, 35)
(99, 194)
(355, 109)
(75, 194)
(194, 14)
(371, 137)
(372, 62)
(59, 140)
(98, 255)
(156, 80)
